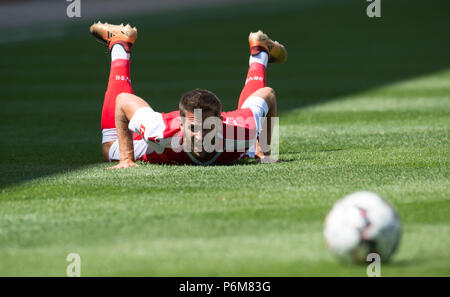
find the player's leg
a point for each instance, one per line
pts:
(119, 82)
(256, 75)
(119, 40)
(263, 51)
(255, 94)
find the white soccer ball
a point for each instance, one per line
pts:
(360, 224)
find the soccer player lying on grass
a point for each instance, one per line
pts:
(199, 132)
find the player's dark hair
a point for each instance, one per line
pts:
(205, 100)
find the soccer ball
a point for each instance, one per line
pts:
(360, 224)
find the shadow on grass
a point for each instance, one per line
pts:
(52, 95)
(241, 162)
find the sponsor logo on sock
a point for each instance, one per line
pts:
(124, 78)
(257, 78)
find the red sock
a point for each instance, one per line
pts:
(119, 82)
(256, 79)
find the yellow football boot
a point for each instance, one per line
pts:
(111, 34)
(260, 41)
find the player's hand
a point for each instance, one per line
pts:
(124, 164)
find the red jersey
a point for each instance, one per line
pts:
(239, 133)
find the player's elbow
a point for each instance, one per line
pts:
(121, 98)
(270, 96)
(123, 101)
(271, 92)
(127, 104)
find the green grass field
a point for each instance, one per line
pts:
(364, 105)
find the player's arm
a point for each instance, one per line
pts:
(263, 154)
(126, 107)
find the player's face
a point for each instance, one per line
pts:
(195, 131)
